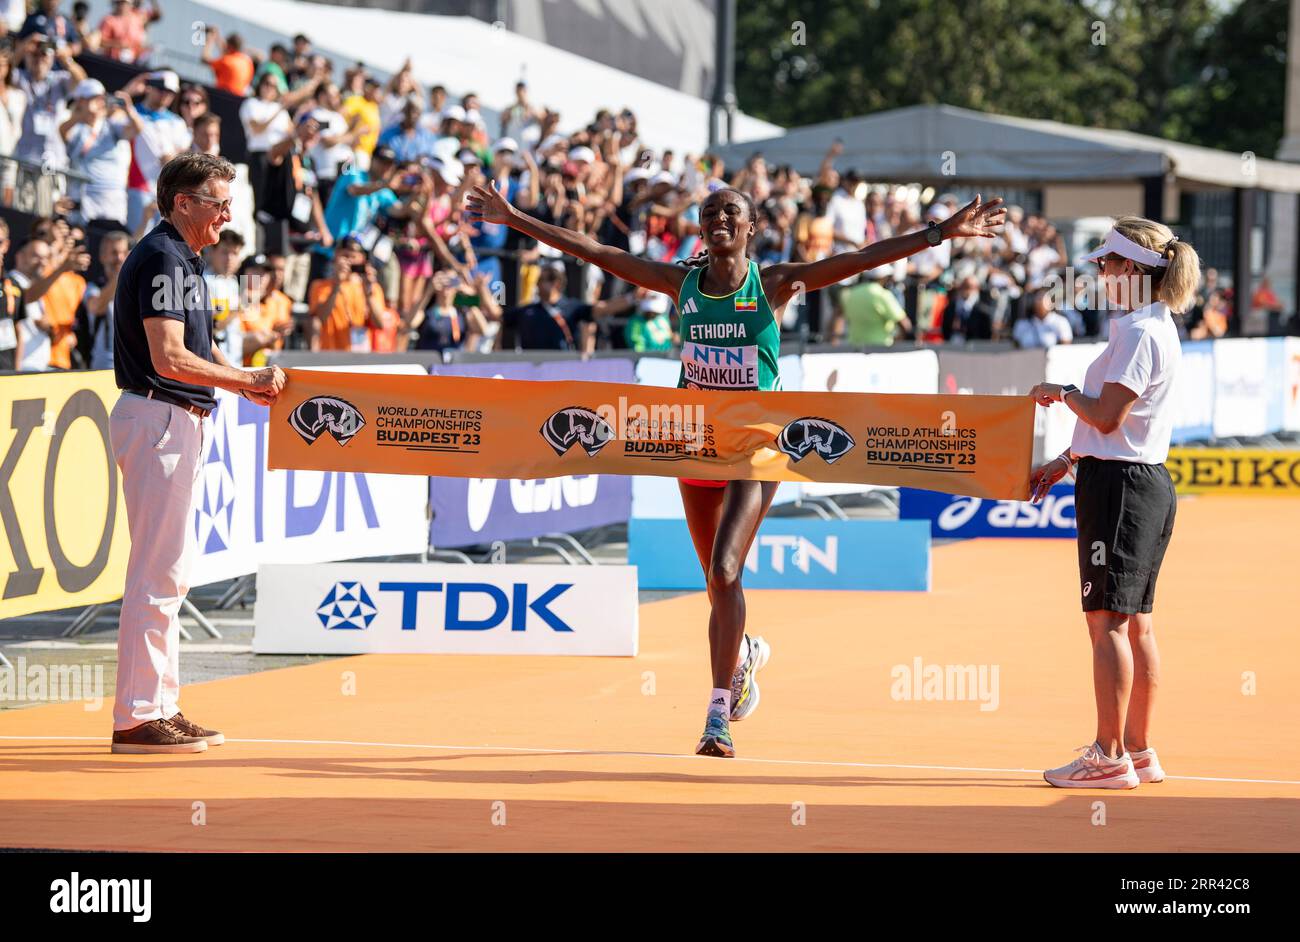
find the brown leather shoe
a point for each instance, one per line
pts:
(156, 736)
(210, 736)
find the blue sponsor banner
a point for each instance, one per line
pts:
(470, 511)
(1194, 393)
(953, 516)
(1276, 384)
(793, 553)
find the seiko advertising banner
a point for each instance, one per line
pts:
(1193, 394)
(436, 608)
(65, 535)
(656, 497)
(1241, 387)
(466, 427)
(963, 517)
(1260, 471)
(794, 553)
(245, 515)
(471, 510)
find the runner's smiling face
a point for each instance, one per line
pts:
(725, 223)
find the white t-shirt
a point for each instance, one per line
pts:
(255, 109)
(164, 135)
(1142, 353)
(848, 216)
(1048, 332)
(326, 160)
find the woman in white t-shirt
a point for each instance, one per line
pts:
(1124, 497)
(267, 120)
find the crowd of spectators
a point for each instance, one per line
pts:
(356, 240)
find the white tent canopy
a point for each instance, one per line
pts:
(460, 53)
(939, 143)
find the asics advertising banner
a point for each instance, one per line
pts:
(793, 553)
(951, 516)
(441, 608)
(464, 427)
(64, 518)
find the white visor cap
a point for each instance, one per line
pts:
(1119, 244)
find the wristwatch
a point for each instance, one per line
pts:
(1067, 389)
(933, 234)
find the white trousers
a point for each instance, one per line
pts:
(158, 448)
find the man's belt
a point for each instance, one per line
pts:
(171, 400)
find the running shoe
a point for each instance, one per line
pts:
(716, 740)
(1147, 765)
(744, 685)
(1094, 769)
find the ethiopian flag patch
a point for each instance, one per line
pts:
(746, 304)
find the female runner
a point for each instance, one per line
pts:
(726, 302)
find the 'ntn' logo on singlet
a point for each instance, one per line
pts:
(710, 367)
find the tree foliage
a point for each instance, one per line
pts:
(1194, 70)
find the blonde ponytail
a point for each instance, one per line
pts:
(1176, 285)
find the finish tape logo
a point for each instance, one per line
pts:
(327, 415)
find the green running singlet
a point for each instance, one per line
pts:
(728, 342)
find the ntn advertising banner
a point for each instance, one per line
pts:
(245, 514)
(659, 498)
(1066, 363)
(907, 371)
(465, 427)
(468, 511)
(439, 608)
(1241, 387)
(1193, 393)
(963, 517)
(794, 553)
(1256, 471)
(64, 517)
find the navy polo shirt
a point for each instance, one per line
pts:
(162, 277)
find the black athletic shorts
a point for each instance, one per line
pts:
(1125, 513)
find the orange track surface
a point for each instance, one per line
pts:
(584, 759)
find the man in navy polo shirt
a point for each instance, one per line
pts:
(167, 365)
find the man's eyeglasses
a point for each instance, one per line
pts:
(224, 205)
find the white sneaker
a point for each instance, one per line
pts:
(1094, 769)
(744, 685)
(1147, 765)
